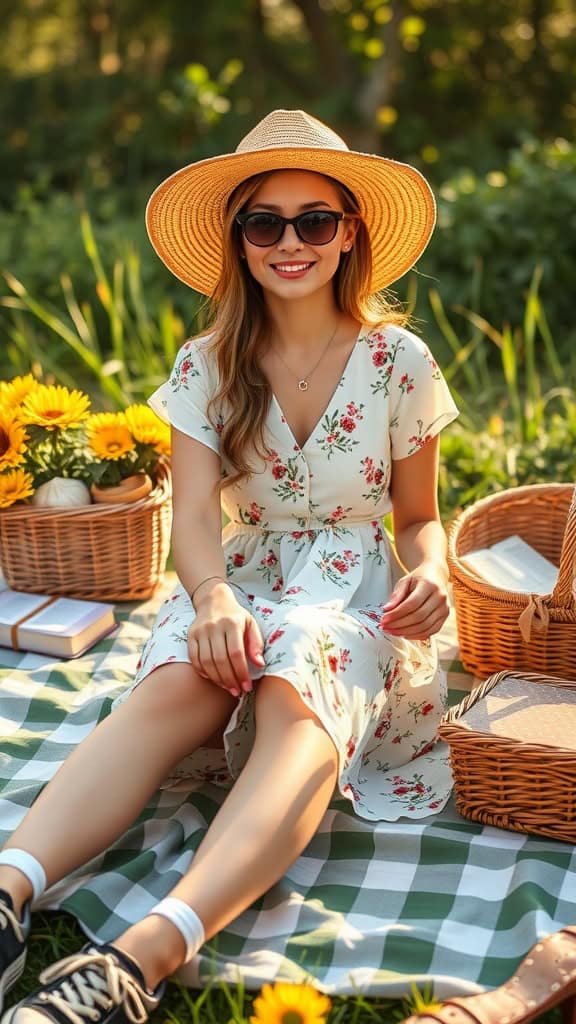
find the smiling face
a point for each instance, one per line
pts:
(292, 268)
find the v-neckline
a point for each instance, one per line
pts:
(326, 410)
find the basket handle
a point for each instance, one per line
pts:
(536, 614)
(563, 593)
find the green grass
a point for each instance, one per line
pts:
(56, 935)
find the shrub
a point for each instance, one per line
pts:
(493, 231)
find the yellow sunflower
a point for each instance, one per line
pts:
(108, 435)
(97, 420)
(13, 438)
(147, 428)
(13, 392)
(284, 1003)
(15, 484)
(53, 405)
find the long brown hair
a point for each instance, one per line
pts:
(240, 326)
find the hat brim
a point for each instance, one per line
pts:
(185, 214)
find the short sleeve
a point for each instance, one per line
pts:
(183, 399)
(420, 402)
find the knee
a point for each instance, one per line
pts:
(176, 689)
(278, 702)
(285, 725)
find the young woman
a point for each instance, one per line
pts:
(297, 646)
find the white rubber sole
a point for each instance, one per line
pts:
(11, 975)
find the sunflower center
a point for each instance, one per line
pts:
(52, 414)
(4, 442)
(292, 1017)
(114, 446)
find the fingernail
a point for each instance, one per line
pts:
(247, 686)
(235, 692)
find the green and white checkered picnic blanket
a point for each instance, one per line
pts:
(367, 907)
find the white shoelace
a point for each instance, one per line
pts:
(84, 993)
(7, 917)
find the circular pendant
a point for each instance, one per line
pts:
(303, 385)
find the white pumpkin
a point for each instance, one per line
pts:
(61, 493)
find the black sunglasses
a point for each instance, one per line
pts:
(315, 227)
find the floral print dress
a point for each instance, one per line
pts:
(308, 556)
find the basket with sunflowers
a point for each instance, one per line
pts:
(84, 496)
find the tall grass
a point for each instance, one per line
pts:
(141, 341)
(517, 402)
(532, 373)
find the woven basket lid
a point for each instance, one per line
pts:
(185, 214)
(526, 711)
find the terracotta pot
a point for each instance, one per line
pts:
(132, 488)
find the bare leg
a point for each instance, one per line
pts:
(115, 770)
(264, 824)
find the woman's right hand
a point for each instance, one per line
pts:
(222, 638)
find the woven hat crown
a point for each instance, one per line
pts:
(290, 129)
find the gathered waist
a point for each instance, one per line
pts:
(296, 531)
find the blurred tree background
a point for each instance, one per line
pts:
(100, 99)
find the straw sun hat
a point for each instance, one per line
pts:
(185, 214)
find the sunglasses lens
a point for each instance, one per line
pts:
(263, 228)
(318, 227)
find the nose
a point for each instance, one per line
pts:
(289, 240)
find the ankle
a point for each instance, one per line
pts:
(157, 947)
(17, 885)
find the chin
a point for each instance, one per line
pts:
(295, 289)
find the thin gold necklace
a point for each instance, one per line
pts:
(304, 381)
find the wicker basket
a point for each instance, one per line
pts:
(513, 754)
(502, 629)
(99, 552)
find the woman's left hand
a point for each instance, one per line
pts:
(418, 605)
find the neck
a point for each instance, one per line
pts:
(299, 323)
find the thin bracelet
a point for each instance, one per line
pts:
(202, 582)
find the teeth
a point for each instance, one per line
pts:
(293, 268)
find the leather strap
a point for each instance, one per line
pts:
(543, 979)
(16, 626)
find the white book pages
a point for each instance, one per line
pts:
(67, 617)
(512, 564)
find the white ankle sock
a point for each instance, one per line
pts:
(185, 920)
(29, 866)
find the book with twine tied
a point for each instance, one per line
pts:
(60, 626)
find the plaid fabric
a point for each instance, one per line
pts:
(368, 907)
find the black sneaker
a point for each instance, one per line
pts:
(99, 984)
(13, 935)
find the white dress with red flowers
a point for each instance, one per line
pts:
(307, 553)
